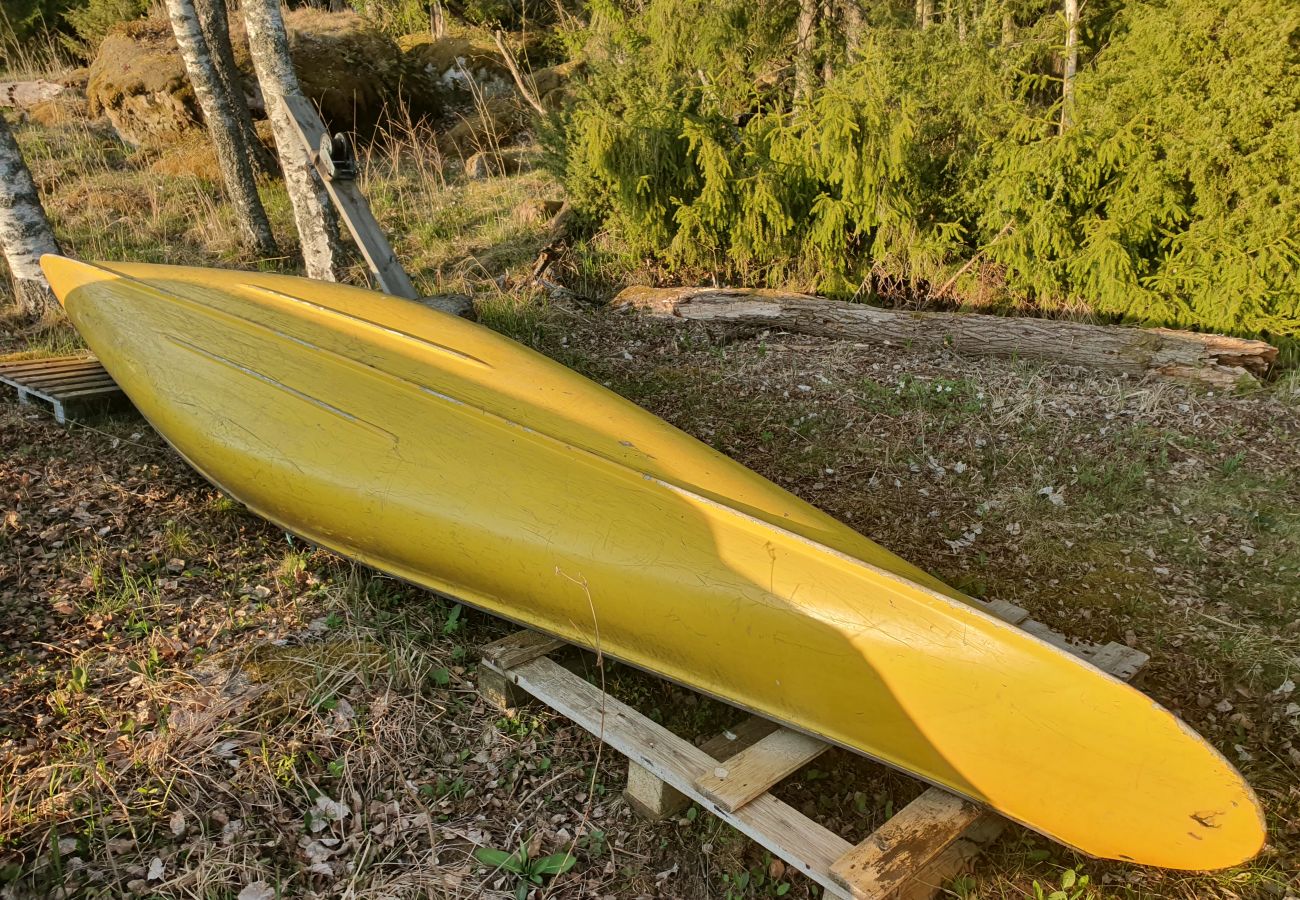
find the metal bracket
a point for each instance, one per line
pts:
(338, 158)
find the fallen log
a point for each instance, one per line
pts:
(1212, 359)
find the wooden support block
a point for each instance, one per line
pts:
(894, 852)
(649, 796)
(498, 690)
(494, 685)
(754, 771)
(742, 736)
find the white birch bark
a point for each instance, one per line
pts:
(214, 20)
(1071, 62)
(805, 36)
(924, 13)
(437, 21)
(24, 231)
(313, 213)
(854, 25)
(218, 113)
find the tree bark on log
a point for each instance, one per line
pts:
(25, 233)
(313, 212)
(219, 114)
(1212, 359)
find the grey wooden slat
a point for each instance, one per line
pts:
(24, 367)
(757, 769)
(352, 207)
(787, 833)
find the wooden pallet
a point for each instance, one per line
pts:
(926, 844)
(73, 385)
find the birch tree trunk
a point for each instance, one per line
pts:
(437, 21)
(924, 13)
(854, 25)
(805, 36)
(24, 231)
(1071, 62)
(214, 19)
(219, 114)
(313, 213)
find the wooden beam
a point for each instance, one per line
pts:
(783, 830)
(654, 799)
(519, 648)
(754, 771)
(894, 852)
(352, 207)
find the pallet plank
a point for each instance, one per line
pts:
(787, 833)
(519, 648)
(894, 852)
(1007, 612)
(56, 384)
(754, 771)
(17, 367)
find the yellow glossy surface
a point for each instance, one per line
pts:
(436, 450)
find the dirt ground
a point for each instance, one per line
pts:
(194, 705)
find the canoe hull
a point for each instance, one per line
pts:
(447, 455)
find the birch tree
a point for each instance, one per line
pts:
(1071, 66)
(214, 20)
(25, 233)
(219, 114)
(313, 212)
(805, 34)
(852, 21)
(924, 13)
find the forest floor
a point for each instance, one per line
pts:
(194, 705)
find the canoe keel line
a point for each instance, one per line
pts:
(440, 452)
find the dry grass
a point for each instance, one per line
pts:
(189, 687)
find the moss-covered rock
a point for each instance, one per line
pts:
(354, 74)
(457, 68)
(138, 80)
(485, 126)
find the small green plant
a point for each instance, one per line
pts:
(1073, 886)
(78, 679)
(454, 622)
(529, 871)
(962, 887)
(594, 843)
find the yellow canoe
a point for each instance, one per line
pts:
(440, 452)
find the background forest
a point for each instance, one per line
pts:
(1134, 159)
